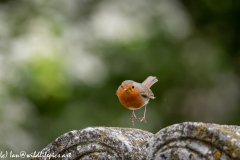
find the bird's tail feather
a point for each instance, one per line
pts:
(149, 81)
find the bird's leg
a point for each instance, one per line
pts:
(133, 117)
(143, 118)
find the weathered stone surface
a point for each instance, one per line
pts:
(196, 141)
(101, 143)
(185, 141)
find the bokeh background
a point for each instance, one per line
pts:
(61, 62)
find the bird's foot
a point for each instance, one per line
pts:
(132, 118)
(142, 119)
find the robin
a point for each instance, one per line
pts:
(134, 95)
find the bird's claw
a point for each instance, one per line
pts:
(142, 119)
(132, 118)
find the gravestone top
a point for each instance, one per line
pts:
(188, 141)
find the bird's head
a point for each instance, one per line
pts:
(128, 86)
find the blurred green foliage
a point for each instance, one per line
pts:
(61, 63)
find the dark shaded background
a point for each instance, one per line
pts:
(61, 63)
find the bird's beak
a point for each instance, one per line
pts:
(125, 89)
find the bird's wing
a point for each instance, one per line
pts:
(146, 92)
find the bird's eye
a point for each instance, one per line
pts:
(132, 87)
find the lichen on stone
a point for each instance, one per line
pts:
(189, 141)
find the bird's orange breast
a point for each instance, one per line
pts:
(130, 99)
